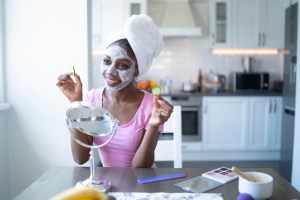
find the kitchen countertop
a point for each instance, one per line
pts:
(225, 93)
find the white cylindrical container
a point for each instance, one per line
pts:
(262, 188)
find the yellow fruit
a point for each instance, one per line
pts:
(85, 193)
(152, 83)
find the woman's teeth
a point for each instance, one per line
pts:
(112, 81)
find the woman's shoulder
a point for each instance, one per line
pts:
(95, 91)
(148, 96)
(94, 94)
(147, 102)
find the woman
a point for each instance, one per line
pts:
(128, 57)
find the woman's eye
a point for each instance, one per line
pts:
(106, 61)
(123, 66)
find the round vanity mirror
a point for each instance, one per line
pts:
(95, 121)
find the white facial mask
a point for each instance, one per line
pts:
(116, 53)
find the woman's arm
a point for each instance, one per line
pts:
(144, 156)
(73, 91)
(80, 153)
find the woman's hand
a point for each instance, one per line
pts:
(161, 112)
(72, 90)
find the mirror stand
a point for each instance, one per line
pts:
(103, 185)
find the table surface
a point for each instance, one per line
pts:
(58, 179)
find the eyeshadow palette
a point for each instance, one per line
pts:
(208, 180)
(221, 175)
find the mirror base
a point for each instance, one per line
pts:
(102, 185)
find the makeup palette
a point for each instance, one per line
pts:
(221, 175)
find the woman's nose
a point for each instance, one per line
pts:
(112, 70)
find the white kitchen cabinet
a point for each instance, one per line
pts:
(276, 123)
(241, 123)
(135, 7)
(225, 123)
(265, 123)
(247, 23)
(258, 23)
(220, 23)
(273, 15)
(259, 119)
(111, 15)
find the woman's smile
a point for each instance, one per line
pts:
(112, 82)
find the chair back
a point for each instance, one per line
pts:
(170, 149)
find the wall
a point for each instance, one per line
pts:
(43, 39)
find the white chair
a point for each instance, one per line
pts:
(170, 149)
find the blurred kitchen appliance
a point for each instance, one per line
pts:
(189, 87)
(250, 81)
(247, 64)
(191, 115)
(173, 23)
(167, 85)
(214, 83)
(221, 79)
(289, 92)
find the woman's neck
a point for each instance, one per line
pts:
(127, 93)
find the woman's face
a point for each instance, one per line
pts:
(118, 67)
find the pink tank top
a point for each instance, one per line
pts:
(119, 152)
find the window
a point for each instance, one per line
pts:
(2, 78)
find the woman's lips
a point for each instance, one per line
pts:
(112, 82)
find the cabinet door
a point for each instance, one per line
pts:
(272, 24)
(259, 123)
(246, 23)
(112, 17)
(258, 23)
(265, 123)
(113, 14)
(220, 23)
(135, 7)
(276, 123)
(224, 123)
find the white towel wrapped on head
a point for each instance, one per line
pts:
(144, 38)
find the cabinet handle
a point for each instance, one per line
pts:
(294, 62)
(293, 71)
(190, 108)
(291, 79)
(270, 108)
(259, 39)
(289, 110)
(275, 106)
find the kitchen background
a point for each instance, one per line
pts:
(183, 55)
